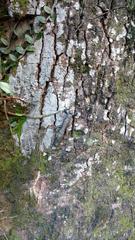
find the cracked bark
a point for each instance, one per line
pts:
(83, 67)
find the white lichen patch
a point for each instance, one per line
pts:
(70, 48)
(105, 116)
(80, 171)
(92, 72)
(48, 57)
(97, 158)
(132, 23)
(77, 6)
(116, 205)
(40, 5)
(113, 142)
(115, 52)
(59, 48)
(122, 34)
(129, 131)
(89, 26)
(83, 55)
(122, 130)
(117, 68)
(79, 126)
(69, 148)
(96, 40)
(128, 120)
(27, 74)
(61, 16)
(113, 32)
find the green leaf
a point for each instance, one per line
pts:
(20, 49)
(30, 49)
(47, 9)
(22, 28)
(13, 57)
(4, 50)
(37, 30)
(5, 87)
(29, 39)
(17, 125)
(41, 19)
(4, 41)
(39, 35)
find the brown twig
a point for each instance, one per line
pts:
(6, 114)
(12, 98)
(3, 233)
(28, 116)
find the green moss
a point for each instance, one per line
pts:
(16, 172)
(14, 236)
(132, 236)
(77, 133)
(110, 184)
(79, 66)
(126, 223)
(22, 3)
(13, 166)
(125, 86)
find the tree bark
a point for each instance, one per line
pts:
(82, 73)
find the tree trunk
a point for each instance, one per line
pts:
(78, 87)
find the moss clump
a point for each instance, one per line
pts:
(125, 84)
(16, 172)
(22, 3)
(14, 236)
(125, 91)
(79, 66)
(13, 166)
(77, 134)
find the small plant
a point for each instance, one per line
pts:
(131, 5)
(13, 47)
(5, 87)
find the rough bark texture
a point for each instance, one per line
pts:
(82, 70)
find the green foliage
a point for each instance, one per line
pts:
(12, 57)
(17, 124)
(4, 41)
(5, 87)
(20, 50)
(77, 134)
(13, 236)
(30, 49)
(48, 10)
(11, 53)
(131, 5)
(41, 19)
(4, 50)
(21, 29)
(29, 39)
